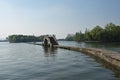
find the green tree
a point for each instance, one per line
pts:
(113, 32)
(79, 36)
(70, 37)
(96, 33)
(87, 35)
(24, 38)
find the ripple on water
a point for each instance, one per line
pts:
(31, 62)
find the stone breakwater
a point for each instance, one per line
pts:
(109, 57)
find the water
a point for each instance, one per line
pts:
(100, 45)
(20, 61)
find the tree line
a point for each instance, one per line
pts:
(110, 33)
(24, 38)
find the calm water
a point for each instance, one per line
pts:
(108, 46)
(20, 61)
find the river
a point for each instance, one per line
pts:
(21, 61)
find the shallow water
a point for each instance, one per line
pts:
(20, 61)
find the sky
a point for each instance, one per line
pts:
(59, 17)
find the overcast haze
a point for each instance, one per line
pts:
(58, 17)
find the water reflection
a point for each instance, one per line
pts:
(49, 51)
(30, 62)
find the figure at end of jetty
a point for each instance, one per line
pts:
(49, 40)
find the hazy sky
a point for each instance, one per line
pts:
(58, 17)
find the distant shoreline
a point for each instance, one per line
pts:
(4, 41)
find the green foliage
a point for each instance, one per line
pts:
(79, 36)
(111, 33)
(87, 35)
(96, 33)
(69, 37)
(24, 38)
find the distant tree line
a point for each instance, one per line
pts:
(110, 33)
(70, 37)
(24, 38)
